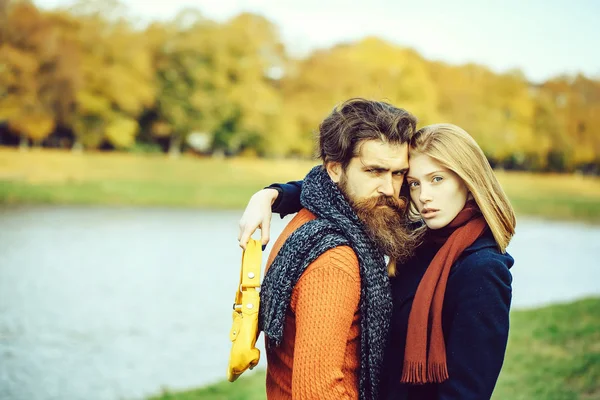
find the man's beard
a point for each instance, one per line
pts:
(385, 223)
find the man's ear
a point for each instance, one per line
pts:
(334, 169)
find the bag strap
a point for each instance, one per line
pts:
(250, 272)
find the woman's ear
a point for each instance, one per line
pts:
(334, 170)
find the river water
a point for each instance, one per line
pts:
(119, 303)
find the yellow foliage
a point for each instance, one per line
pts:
(36, 126)
(97, 74)
(121, 132)
(91, 103)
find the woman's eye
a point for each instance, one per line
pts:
(437, 178)
(413, 184)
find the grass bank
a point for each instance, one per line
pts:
(553, 354)
(62, 177)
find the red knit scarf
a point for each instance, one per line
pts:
(420, 367)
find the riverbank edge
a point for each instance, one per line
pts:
(553, 354)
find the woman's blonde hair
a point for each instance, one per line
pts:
(457, 151)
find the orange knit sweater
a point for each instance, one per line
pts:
(319, 356)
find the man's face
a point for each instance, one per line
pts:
(378, 170)
(372, 182)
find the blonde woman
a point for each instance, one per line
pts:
(450, 322)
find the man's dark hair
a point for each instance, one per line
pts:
(357, 120)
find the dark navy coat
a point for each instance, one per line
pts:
(475, 322)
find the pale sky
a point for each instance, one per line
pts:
(541, 38)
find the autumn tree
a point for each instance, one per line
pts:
(117, 74)
(37, 84)
(370, 68)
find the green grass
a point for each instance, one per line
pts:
(553, 354)
(62, 177)
(250, 386)
(553, 196)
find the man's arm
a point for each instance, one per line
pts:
(326, 299)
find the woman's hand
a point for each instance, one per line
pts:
(257, 215)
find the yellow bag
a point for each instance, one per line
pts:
(244, 332)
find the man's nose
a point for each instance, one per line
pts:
(387, 186)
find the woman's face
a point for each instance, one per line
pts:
(438, 193)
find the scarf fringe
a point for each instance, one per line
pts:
(413, 372)
(437, 372)
(416, 372)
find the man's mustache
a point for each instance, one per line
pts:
(395, 203)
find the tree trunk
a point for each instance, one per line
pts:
(24, 143)
(218, 154)
(175, 147)
(77, 146)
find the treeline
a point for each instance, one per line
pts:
(91, 78)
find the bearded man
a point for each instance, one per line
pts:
(325, 299)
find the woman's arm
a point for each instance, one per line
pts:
(288, 201)
(279, 198)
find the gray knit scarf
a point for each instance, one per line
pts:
(336, 225)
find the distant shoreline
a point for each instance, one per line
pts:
(121, 179)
